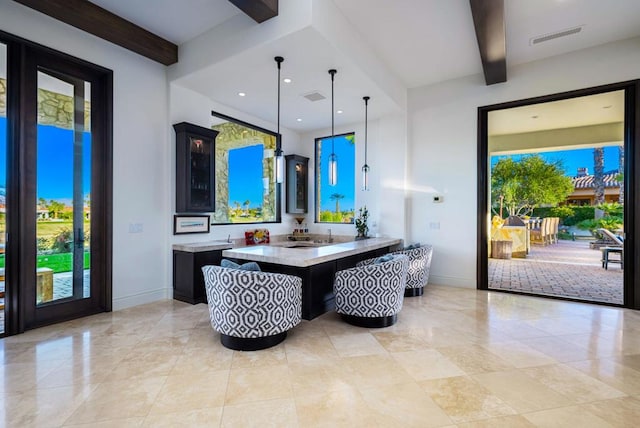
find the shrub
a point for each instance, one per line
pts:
(609, 223)
(579, 213)
(63, 241)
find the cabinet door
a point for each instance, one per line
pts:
(297, 179)
(195, 168)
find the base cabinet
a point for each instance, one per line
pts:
(188, 281)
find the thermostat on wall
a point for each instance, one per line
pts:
(437, 199)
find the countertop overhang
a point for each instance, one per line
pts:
(308, 256)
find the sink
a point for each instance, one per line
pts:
(301, 244)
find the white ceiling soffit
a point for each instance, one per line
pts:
(176, 21)
(582, 111)
(430, 41)
(307, 58)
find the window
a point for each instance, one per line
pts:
(246, 190)
(335, 204)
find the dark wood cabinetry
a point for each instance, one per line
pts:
(297, 184)
(195, 168)
(188, 281)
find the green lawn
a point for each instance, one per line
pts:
(57, 262)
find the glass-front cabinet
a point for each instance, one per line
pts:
(195, 166)
(297, 178)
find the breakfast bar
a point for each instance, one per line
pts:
(315, 263)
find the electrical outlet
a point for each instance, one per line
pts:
(435, 225)
(135, 228)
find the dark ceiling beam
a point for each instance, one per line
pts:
(488, 18)
(100, 22)
(258, 10)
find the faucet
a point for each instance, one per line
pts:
(330, 238)
(229, 239)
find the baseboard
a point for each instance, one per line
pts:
(452, 281)
(140, 299)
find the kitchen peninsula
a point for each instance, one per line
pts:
(316, 265)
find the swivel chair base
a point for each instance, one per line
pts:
(370, 322)
(251, 343)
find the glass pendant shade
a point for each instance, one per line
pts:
(333, 169)
(365, 177)
(279, 166)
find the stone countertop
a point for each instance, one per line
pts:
(197, 247)
(307, 256)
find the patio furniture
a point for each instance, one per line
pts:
(370, 295)
(418, 272)
(542, 235)
(617, 247)
(252, 310)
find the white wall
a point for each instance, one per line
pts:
(140, 150)
(443, 144)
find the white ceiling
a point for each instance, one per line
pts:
(421, 41)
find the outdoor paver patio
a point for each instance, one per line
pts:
(566, 269)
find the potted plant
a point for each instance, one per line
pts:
(361, 223)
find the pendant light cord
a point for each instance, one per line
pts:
(333, 134)
(279, 60)
(366, 123)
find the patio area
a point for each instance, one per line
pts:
(566, 269)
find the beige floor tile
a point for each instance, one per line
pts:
(375, 370)
(340, 408)
(147, 365)
(328, 375)
(560, 326)
(88, 371)
(356, 344)
(516, 421)
(427, 364)
(402, 340)
(198, 391)
(520, 391)
(572, 383)
(43, 407)
(312, 348)
(202, 360)
(620, 412)
(474, 359)
(266, 357)
(559, 349)
(631, 361)
(258, 384)
(403, 405)
(203, 418)
(465, 400)
(119, 399)
(518, 354)
(114, 423)
(612, 373)
(272, 413)
(572, 416)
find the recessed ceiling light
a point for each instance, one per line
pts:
(535, 116)
(609, 106)
(339, 111)
(241, 94)
(286, 80)
(299, 120)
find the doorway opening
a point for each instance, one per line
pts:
(555, 211)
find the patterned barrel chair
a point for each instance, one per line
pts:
(418, 273)
(252, 310)
(370, 294)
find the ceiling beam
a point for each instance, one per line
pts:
(488, 18)
(258, 10)
(100, 22)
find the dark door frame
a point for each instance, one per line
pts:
(632, 184)
(23, 57)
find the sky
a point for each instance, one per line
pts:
(574, 159)
(245, 176)
(345, 150)
(55, 162)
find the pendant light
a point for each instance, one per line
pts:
(333, 159)
(279, 159)
(365, 167)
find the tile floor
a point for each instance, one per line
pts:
(456, 358)
(567, 269)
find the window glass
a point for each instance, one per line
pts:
(335, 203)
(246, 190)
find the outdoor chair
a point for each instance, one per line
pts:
(616, 247)
(541, 235)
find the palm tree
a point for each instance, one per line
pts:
(336, 197)
(237, 204)
(246, 206)
(598, 174)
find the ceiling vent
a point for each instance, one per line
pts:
(314, 96)
(556, 35)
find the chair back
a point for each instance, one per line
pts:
(617, 242)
